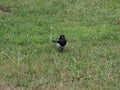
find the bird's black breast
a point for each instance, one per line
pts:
(62, 42)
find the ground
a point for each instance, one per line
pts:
(29, 60)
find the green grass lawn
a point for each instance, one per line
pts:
(29, 60)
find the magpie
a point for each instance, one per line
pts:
(61, 42)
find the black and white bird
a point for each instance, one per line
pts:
(61, 42)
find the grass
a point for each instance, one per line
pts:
(90, 61)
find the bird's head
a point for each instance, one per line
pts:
(62, 37)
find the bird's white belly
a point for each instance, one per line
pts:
(58, 46)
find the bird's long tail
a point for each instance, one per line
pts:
(54, 41)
